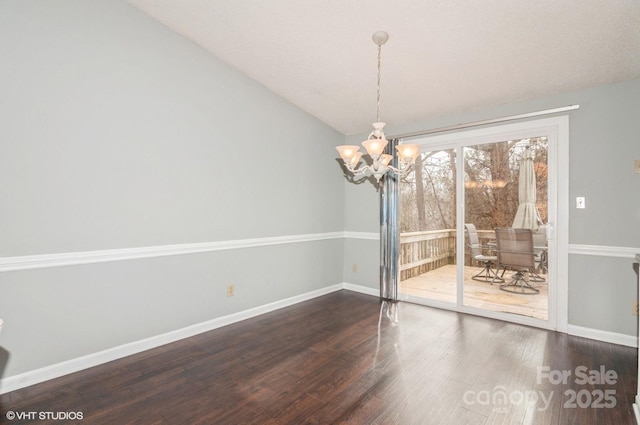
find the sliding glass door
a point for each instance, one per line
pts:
(465, 186)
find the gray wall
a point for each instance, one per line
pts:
(604, 142)
(116, 132)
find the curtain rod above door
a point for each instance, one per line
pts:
(485, 122)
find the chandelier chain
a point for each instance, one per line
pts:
(378, 98)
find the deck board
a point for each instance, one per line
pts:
(440, 285)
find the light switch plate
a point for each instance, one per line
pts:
(580, 202)
(636, 166)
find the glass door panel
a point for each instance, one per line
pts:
(505, 186)
(428, 228)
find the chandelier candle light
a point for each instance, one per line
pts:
(376, 142)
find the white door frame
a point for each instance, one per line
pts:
(557, 131)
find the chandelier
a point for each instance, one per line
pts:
(376, 142)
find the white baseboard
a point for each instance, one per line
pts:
(361, 289)
(604, 336)
(57, 370)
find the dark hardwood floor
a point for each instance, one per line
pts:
(347, 358)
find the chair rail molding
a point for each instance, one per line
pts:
(373, 236)
(604, 251)
(28, 262)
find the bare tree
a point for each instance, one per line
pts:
(428, 194)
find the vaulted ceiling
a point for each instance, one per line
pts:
(442, 57)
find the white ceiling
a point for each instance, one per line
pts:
(442, 57)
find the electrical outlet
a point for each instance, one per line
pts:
(231, 290)
(354, 267)
(635, 308)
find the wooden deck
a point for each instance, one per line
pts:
(440, 285)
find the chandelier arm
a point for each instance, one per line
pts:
(359, 171)
(400, 171)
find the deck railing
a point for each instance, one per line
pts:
(422, 252)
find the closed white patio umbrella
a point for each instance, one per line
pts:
(527, 216)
